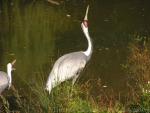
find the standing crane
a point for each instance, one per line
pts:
(70, 65)
(6, 78)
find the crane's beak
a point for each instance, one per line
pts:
(12, 63)
(85, 21)
(86, 14)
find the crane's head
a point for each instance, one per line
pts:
(84, 24)
(10, 66)
(9, 69)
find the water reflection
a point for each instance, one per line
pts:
(28, 36)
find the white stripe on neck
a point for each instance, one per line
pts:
(88, 52)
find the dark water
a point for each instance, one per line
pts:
(37, 33)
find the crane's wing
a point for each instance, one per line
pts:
(3, 81)
(71, 66)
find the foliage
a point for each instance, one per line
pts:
(139, 71)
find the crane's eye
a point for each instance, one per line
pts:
(85, 22)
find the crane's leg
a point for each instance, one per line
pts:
(74, 80)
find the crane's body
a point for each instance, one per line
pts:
(70, 65)
(6, 78)
(3, 81)
(67, 67)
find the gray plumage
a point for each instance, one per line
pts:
(3, 81)
(6, 78)
(67, 67)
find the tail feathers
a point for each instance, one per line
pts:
(48, 87)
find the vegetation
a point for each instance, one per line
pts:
(139, 72)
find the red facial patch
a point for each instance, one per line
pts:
(85, 22)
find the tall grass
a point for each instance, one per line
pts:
(139, 72)
(139, 60)
(63, 99)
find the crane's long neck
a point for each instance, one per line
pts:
(84, 26)
(9, 76)
(89, 50)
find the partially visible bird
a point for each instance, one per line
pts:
(70, 65)
(6, 78)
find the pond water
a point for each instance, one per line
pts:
(37, 33)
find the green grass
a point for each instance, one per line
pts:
(63, 99)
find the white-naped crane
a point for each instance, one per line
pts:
(6, 78)
(70, 65)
